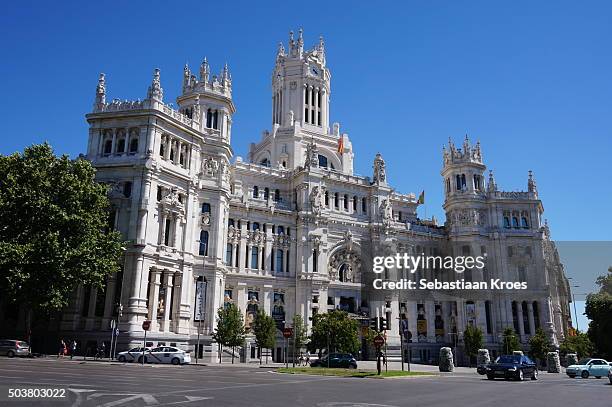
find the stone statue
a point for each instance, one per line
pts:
(316, 200)
(380, 175)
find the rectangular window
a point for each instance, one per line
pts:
(278, 261)
(228, 254)
(254, 257)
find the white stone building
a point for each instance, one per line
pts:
(293, 229)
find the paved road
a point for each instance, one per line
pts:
(108, 385)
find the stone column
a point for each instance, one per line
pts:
(165, 324)
(176, 303)
(430, 314)
(481, 317)
(532, 327)
(243, 255)
(162, 227)
(411, 310)
(267, 299)
(519, 316)
(108, 301)
(154, 297)
(316, 107)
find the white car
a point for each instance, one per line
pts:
(166, 354)
(131, 355)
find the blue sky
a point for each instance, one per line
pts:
(531, 81)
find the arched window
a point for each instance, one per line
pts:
(322, 161)
(171, 154)
(277, 195)
(266, 193)
(355, 204)
(515, 222)
(315, 261)
(506, 222)
(336, 200)
(108, 147)
(364, 205)
(458, 179)
(209, 118)
(326, 198)
(278, 261)
(255, 225)
(463, 183)
(205, 207)
(162, 149)
(228, 254)
(127, 189)
(265, 162)
(524, 223)
(120, 146)
(203, 243)
(536, 315)
(346, 203)
(133, 146)
(255, 191)
(216, 120)
(343, 273)
(448, 187)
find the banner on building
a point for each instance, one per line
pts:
(200, 301)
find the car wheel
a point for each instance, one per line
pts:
(121, 359)
(534, 376)
(175, 361)
(490, 377)
(352, 366)
(520, 376)
(10, 354)
(584, 374)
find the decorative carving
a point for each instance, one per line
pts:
(312, 156)
(155, 90)
(210, 167)
(344, 265)
(380, 173)
(387, 213)
(468, 217)
(317, 200)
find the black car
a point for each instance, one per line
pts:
(516, 367)
(342, 360)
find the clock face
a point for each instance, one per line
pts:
(314, 71)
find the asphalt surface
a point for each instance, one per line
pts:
(111, 384)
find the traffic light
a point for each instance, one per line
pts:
(384, 324)
(375, 324)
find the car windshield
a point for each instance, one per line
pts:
(135, 350)
(509, 359)
(584, 361)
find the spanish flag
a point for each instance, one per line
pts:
(421, 200)
(341, 144)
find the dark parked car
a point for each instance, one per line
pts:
(512, 367)
(342, 360)
(12, 348)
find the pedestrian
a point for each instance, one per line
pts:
(62, 348)
(301, 359)
(73, 348)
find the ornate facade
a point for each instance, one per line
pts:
(292, 229)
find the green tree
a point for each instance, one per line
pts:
(264, 329)
(300, 337)
(335, 332)
(54, 230)
(472, 340)
(599, 310)
(510, 342)
(539, 346)
(579, 344)
(230, 329)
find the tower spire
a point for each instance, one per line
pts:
(531, 184)
(204, 71)
(491, 186)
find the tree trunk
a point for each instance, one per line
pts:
(233, 353)
(220, 353)
(267, 357)
(259, 348)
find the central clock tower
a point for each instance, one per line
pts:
(301, 86)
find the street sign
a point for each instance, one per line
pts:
(287, 332)
(379, 341)
(146, 325)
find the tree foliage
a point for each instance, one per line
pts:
(335, 332)
(510, 342)
(539, 345)
(54, 230)
(300, 336)
(472, 340)
(579, 344)
(264, 329)
(599, 310)
(230, 330)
